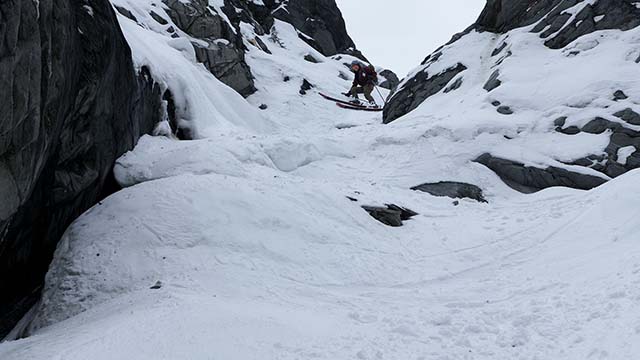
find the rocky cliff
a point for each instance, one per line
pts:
(72, 103)
(584, 32)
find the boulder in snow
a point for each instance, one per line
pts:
(529, 179)
(391, 215)
(452, 189)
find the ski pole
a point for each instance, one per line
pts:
(382, 97)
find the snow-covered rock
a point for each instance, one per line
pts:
(537, 68)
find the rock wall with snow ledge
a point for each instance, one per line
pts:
(82, 96)
(71, 104)
(565, 66)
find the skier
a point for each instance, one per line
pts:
(365, 81)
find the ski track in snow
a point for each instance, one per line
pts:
(262, 256)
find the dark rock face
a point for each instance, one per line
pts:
(311, 59)
(531, 179)
(391, 215)
(306, 86)
(504, 110)
(619, 95)
(321, 20)
(621, 136)
(500, 16)
(598, 126)
(390, 81)
(418, 89)
(455, 85)
(571, 130)
(71, 104)
(618, 14)
(454, 190)
(629, 116)
(224, 59)
(493, 82)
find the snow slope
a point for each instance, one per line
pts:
(259, 254)
(281, 266)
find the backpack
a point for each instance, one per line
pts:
(371, 73)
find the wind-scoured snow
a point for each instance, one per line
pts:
(260, 254)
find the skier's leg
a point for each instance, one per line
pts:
(368, 89)
(354, 91)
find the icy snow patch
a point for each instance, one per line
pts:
(624, 153)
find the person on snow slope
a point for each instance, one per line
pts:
(365, 81)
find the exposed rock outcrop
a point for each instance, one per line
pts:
(560, 28)
(223, 53)
(555, 24)
(416, 90)
(452, 189)
(389, 80)
(391, 215)
(528, 179)
(621, 137)
(71, 103)
(319, 22)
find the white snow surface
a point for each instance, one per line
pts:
(261, 255)
(624, 153)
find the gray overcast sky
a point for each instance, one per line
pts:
(399, 34)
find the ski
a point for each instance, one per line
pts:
(330, 98)
(349, 104)
(345, 102)
(360, 108)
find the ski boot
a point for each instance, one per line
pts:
(356, 101)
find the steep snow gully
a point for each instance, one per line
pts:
(251, 239)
